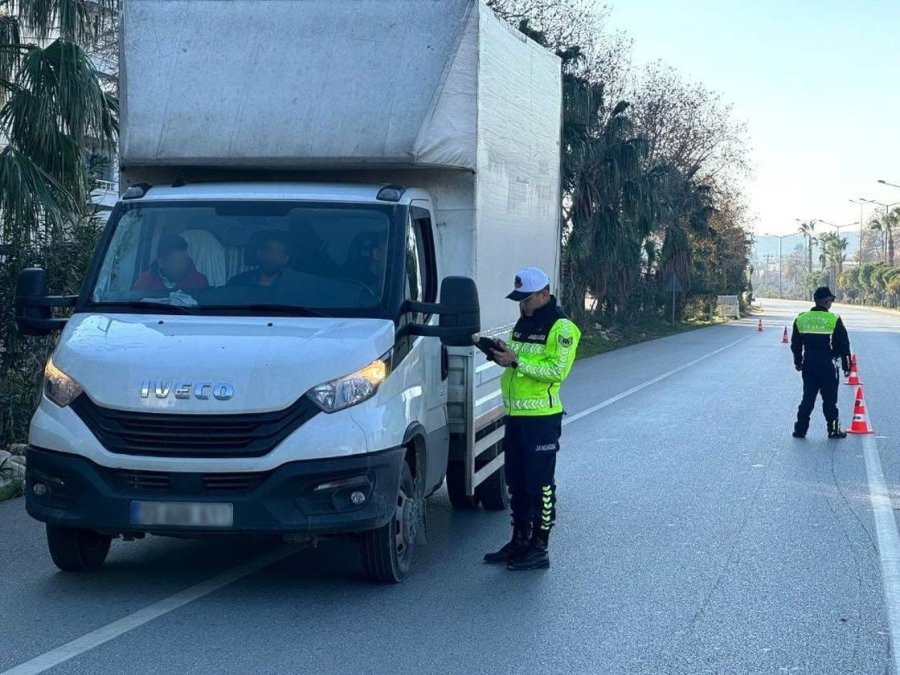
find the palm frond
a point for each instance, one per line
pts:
(71, 19)
(27, 193)
(10, 36)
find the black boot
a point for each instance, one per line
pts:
(835, 431)
(537, 557)
(799, 432)
(516, 546)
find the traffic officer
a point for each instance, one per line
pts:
(537, 360)
(818, 340)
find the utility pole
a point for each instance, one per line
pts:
(781, 238)
(859, 254)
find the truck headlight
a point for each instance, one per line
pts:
(59, 387)
(351, 389)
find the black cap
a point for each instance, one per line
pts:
(823, 293)
(169, 243)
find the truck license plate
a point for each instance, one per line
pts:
(185, 514)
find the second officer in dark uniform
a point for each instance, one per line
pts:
(819, 339)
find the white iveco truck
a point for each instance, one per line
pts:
(276, 333)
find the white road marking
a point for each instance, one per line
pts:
(110, 631)
(888, 541)
(625, 394)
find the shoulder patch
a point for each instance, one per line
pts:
(565, 340)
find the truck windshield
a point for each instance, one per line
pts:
(264, 257)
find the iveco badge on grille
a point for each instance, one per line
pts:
(221, 391)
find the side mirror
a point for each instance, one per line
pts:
(460, 314)
(34, 315)
(459, 311)
(31, 285)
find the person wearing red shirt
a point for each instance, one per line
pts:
(173, 268)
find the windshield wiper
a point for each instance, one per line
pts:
(161, 307)
(292, 309)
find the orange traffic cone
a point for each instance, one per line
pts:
(852, 367)
(759, 327)
(784, 337)
(860, 424)
(853, 379)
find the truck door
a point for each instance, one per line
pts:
(422, 285)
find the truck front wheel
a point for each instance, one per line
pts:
(387, 552)
(75, 550)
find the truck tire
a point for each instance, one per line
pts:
(456, 486)
(387, 552)
(492, 493)
(75, 550)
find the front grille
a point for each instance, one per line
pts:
(145, 481)
(231, 482)
(188, 483)
(166, 435)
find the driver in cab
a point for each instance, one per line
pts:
(272, 269)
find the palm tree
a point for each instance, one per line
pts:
(880, 225)
(833, 254)
(807, 229)
(839, 254)
(889, 221)
(52, 102)
(605, 211)
(682, 209)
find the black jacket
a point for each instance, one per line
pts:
(812, 349)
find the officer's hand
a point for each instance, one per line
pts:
(799, 368)
(503, 356)
(846, 373)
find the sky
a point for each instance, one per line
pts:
(818, 82)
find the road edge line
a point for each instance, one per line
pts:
(888, 539)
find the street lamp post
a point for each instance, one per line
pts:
(884, 182)
(781, 238)
(860, 253)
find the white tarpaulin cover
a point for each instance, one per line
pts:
(315, 83)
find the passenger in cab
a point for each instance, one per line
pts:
(366, 260)
(173, 269)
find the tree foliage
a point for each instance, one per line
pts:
(53, 107)
(649, 168)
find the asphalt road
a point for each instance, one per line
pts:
(694, 536)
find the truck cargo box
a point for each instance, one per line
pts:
(364, 90)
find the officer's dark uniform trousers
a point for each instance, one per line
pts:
(530, 448)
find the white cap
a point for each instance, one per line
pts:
(528, 282)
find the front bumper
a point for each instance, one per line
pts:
(79, 493)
